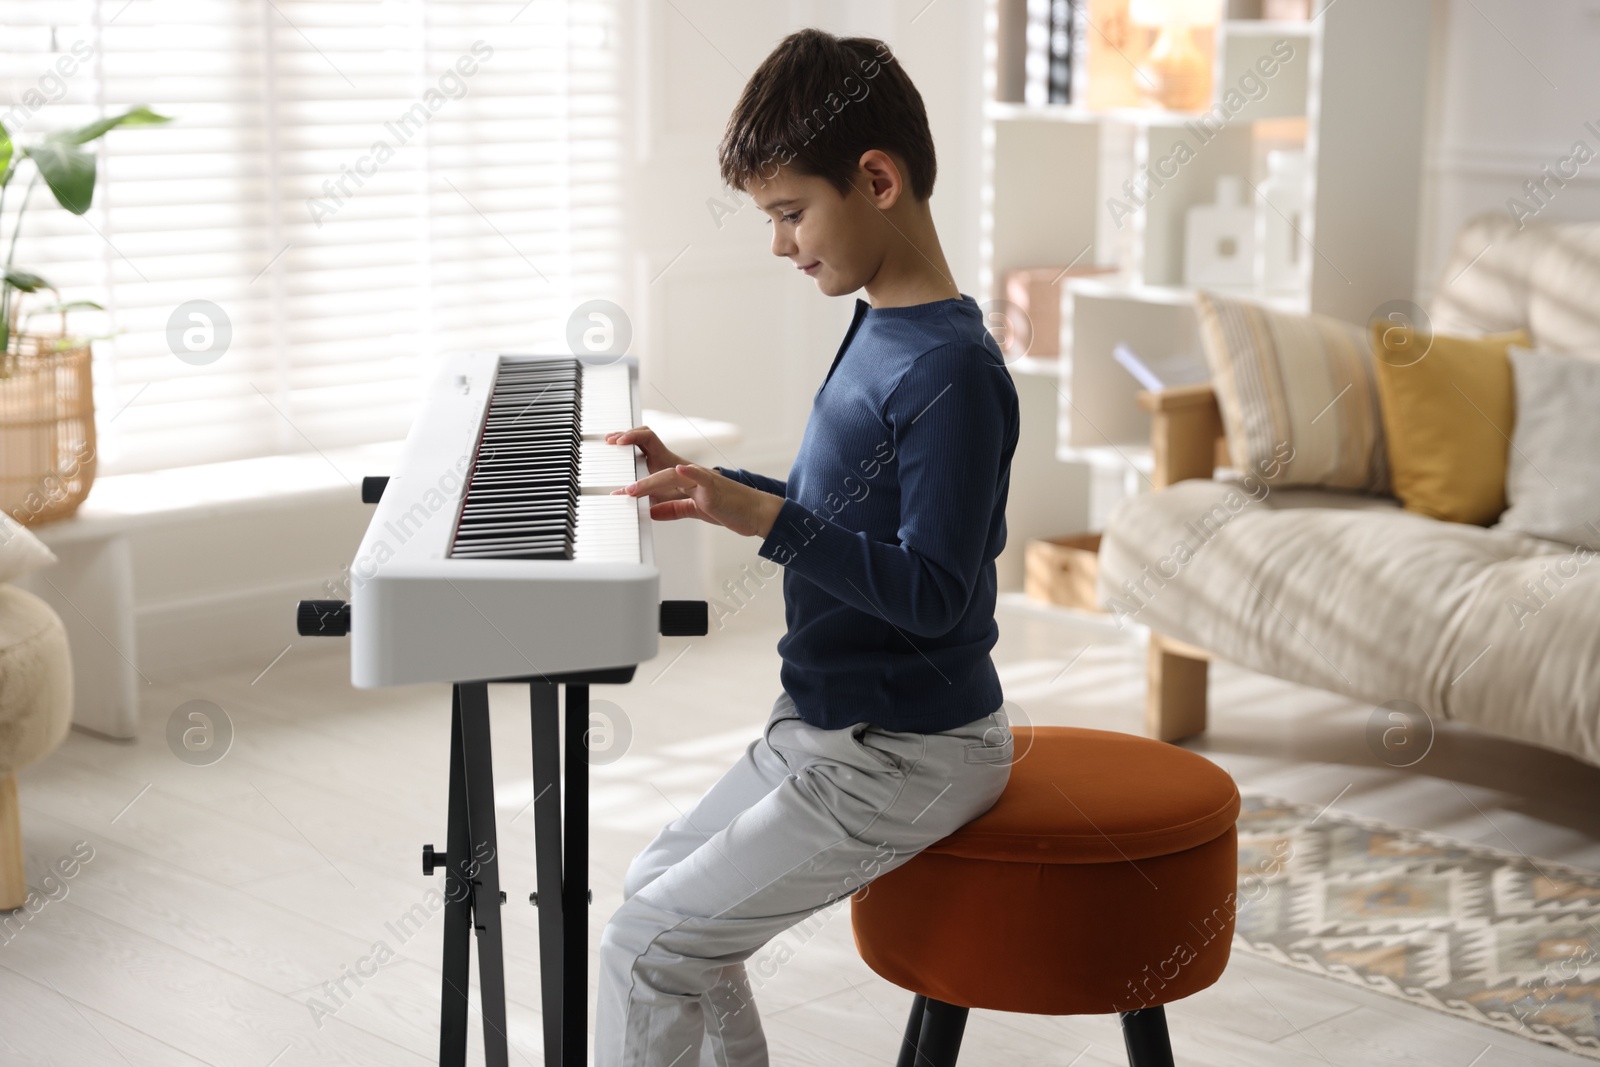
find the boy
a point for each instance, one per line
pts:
(888, 734)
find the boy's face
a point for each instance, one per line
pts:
(838, 240)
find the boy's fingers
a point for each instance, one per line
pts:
(651, 483)
(673, 509)
(698, 474)
(679, 509)
(637, 435)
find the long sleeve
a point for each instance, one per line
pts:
(754, 480)
(950, 419)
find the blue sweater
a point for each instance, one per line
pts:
(893, 514)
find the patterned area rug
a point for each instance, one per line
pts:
(1471, 931)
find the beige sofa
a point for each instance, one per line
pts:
(1351, 594)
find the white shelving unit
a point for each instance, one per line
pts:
(1350, 95)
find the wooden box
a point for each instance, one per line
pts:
(1062, 570)
(1036, 293)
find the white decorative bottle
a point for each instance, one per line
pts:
(1219, 246)
(1280, 223)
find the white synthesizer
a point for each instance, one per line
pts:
(497, 551)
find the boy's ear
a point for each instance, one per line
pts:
(881, 178)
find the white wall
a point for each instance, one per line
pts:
(1513, 84)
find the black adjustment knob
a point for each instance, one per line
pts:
(431, 859)
(685, 618)
(323, 618)
(372, 487)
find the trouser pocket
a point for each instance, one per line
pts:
(883, 746)
(994, 742)
(782, 708)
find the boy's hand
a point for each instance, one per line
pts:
(690, 491)
(657, 456)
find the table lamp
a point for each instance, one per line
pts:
(1175, 74)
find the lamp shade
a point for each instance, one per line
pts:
(1175, 12)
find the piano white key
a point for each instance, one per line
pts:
(607, 400)
(608, 529)
(603, 467)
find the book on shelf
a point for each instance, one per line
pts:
(1156, 373)
(1036, 89)
(1058, 89)
(1011, 55)
(1037, 40)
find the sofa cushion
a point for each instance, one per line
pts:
(1447, 414)
(1484, 285)
(1490, 627)
(1296, 392)
(1541, 277)
(1553, 471)
(1563, 312)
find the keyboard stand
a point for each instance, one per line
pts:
(471, 862)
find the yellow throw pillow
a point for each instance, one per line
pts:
(1448, 414)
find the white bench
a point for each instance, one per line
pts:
(92, 588)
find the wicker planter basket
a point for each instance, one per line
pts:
(47, 440)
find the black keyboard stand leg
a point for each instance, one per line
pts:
(482, 866)
(575, 886)
(546, 721)
(457, 909)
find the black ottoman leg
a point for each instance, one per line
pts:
(908, 1044)
(942, 1027)
(1145, 1033)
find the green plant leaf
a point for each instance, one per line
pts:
(139, 116)
(25, 280)
(5, 155)
(68, 170)
(69, 305)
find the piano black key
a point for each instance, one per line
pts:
(532, 459)
(502, 553)
(499, 532)
(517, 544)
(522, 492)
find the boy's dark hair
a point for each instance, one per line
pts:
(816, 104)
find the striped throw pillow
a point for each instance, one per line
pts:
(1304, 386)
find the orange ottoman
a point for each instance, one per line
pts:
(1101, 881)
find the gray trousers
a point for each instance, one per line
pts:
(805, 818)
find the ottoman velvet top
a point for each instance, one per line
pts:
(1098, 796)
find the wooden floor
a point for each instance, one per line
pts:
(252, 913)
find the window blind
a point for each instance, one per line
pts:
(358, 186)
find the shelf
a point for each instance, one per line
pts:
(1180, 295)
(1007, 110)
(1064, 183)
(1036, 366)
(1240, 44)
(1269, 27)
(1012, 111)
(1111, 457)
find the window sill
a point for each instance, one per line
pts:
(120, 503)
